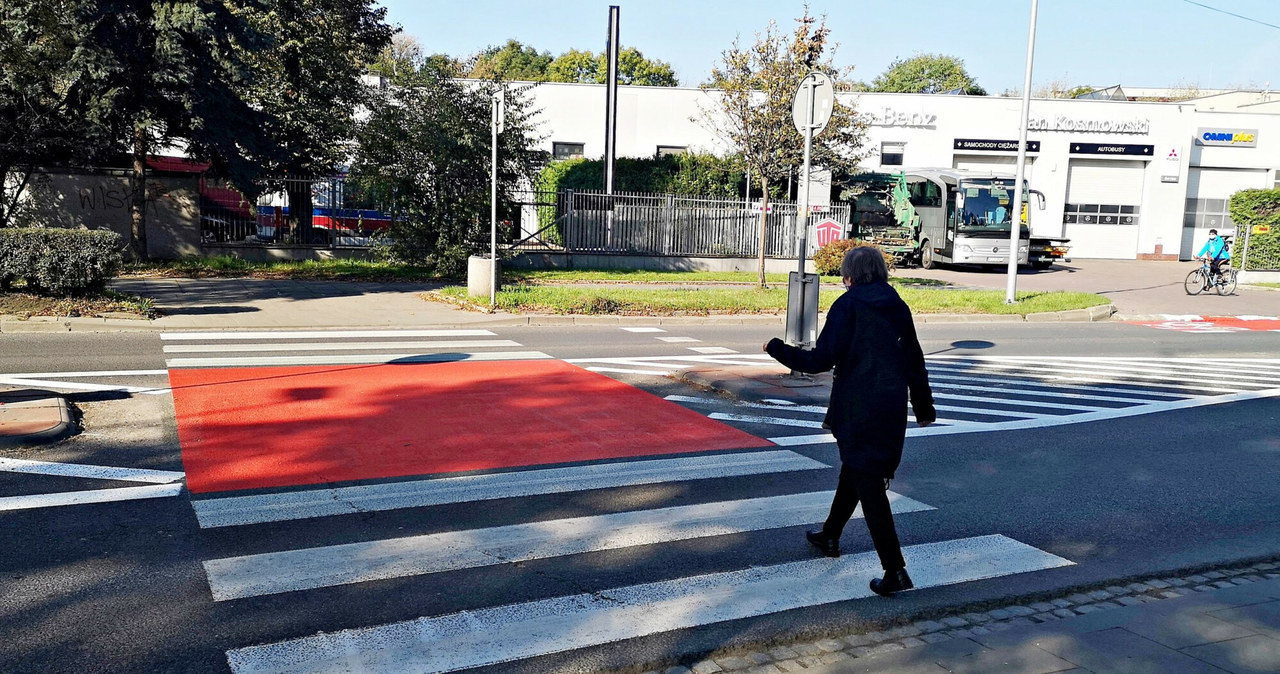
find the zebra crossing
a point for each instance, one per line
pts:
(266, 348)
(993, 393)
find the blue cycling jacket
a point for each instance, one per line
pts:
(1215, 249)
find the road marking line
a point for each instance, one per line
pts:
(1046, 422)
(1048, 379)
(934, 384)
(337, 346)
(644, 329)
(70, 498)
(711, 349)
(319, 334)
(76, 375)
(518, 631)
(777, 405)
(293, 505)
(993, 412)
(619, 370)
(678, 340)
(1184, 371)
(276, 572)
(355, 359)
(89, 471)
(1140, 395)
(1008, 401)
(1094, 367)
(773, 421)
(74, 386)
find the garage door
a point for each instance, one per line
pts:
(1208, 192)
(1103, 207)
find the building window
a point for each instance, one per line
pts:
(1100, 214)
(672, 150)
(891, 153)
(1207, 214)
(566, 150)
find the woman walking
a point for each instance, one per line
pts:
(870, 340)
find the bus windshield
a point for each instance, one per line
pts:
(986, 206)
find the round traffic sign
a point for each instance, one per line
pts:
(813, 102)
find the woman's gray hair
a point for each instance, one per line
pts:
(864, 264)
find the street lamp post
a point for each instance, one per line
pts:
(1015, 227)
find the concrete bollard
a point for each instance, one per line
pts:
(479, 275)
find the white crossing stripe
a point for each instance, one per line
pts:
(1013, 401)
(70, 498)
(90, 471)
(773, 421)
(621, 370)
(72, 385)
(711, 349)
(259, 508)
(679, 339)
(644, 329)
(506, 633)
(1052, 420)
(337, 346)
(319, 334)
(936, 385)
(777, 405)
(270, 573)
(355, 359)
(79, 375)
(974, 369)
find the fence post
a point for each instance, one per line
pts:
(669, 223)
(1244, 254)
(568, 229)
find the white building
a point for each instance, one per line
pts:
(1122, 179)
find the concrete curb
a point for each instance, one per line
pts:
(45, 324)
(47, 411)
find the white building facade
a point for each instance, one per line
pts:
(1122, 180)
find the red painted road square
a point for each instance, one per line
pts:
(246, 428)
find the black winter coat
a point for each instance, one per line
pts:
(870, 340)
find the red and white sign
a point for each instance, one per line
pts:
(828, 231)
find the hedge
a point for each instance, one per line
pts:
(827, 259)
(59, 261)
(1256, 207)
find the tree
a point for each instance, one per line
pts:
(754, 107)
(308, 84)
(633, 68)
(49, 112)
(424, 154)
(511, 61)
(170, 74)
(927, 74)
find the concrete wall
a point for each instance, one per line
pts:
(102, 200)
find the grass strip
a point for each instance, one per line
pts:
(26, 305)
(720, 300)
(302, 270)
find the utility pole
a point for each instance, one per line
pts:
(1015, 227)
(496, 123)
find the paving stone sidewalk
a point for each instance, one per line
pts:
(1222, 621)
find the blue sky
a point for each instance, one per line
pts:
(1097, 42)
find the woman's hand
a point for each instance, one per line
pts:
(766, 346)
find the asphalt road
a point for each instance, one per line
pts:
(120, 587)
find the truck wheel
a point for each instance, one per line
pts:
(926, 256)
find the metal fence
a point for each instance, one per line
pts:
(630, 223)
(322, 212)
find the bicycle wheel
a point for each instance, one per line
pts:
(1227, 284)
(1195, 282)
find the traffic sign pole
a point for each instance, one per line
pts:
(802, 218)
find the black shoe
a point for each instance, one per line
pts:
(820, 540)
(893, 581)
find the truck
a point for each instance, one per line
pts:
(939, 216)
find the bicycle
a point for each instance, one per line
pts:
(1202, 279)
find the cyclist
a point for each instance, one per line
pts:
(1215, 250)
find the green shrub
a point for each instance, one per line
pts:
(828, 258)
(59, 261)
(1256, 207)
